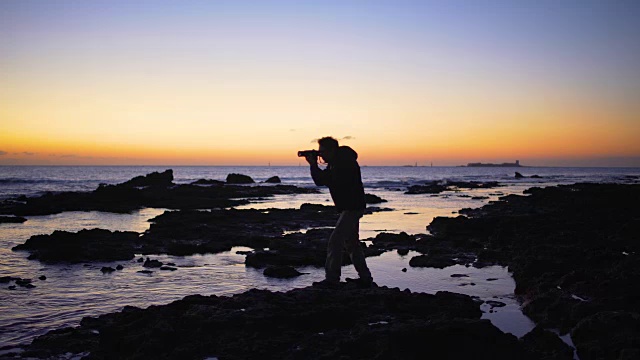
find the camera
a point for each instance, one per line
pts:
(305, 153)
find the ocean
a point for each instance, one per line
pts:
(73, 291)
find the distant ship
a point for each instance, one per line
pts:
(515, 164)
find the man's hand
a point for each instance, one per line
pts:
(312, 160)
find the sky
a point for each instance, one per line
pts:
(550, 83)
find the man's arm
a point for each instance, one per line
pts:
(320, 177)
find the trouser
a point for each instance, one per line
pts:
(346, 236)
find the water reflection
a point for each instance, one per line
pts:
(72, 291)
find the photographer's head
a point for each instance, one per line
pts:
(328, 148)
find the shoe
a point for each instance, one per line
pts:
(361, 283)
(326, 284)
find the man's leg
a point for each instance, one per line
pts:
(354, 249)
(340, 234)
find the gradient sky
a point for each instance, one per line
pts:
(251, 82)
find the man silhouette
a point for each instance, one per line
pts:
(343, 178)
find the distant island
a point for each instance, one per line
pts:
(515, 164)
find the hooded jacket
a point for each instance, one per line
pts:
(343, 178)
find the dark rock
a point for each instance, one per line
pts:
(411, 213)
(171, 264)
(434, 261)
(459, 275)
(572, 249)
(492, 279)
(607, 335)
(22, 282)
(119, 267)
(309, 323)
(107, 269)
(519, 176)
(141, 260)
(208, 182)
(390, 241)
(7, 279)
(155, 179)
(273, 180)
(404, 269)
(11, 287)
(12, 219)
(169, 268)
(403, 251)
(479, 197)
(152, 263)
(154, 190)
(239, 179)
(145, 272)
(373, 199)
(495, 304)
(282, 272)
(42, 277)
(536, 177)
(426, 189)
(545, 345)
(85, 245)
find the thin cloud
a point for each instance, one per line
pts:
(348, 137)
(68, 155)
(3, 153)
(28, 153)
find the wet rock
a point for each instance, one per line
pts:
(7, 279)
(107, 269)
(389, 241)
(459, 275)
(426, 189)
(571, 248)
(145, 272)
(434, 261)
(495, 304)
(402, 251)
(119, 267)
(545, 345)
(519, 176)
(12, 219)
(11, 287)
(208, 182)
(479, 197)
(273, 180)
(373, 199)
(307, 323)
(152, 263)
(607, 335)
(85, 245)
(404, 269)
(282, 272)
(168, 268)
(239, 179)
(154, 190)
(155, 179)
(536, 177)
(42, 277)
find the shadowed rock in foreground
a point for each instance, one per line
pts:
(155, 190)
(575, 257)
(308, 323)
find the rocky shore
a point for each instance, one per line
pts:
(156, 190)
(308, 323)
(573, 251)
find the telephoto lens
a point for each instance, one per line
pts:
(305, 153)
